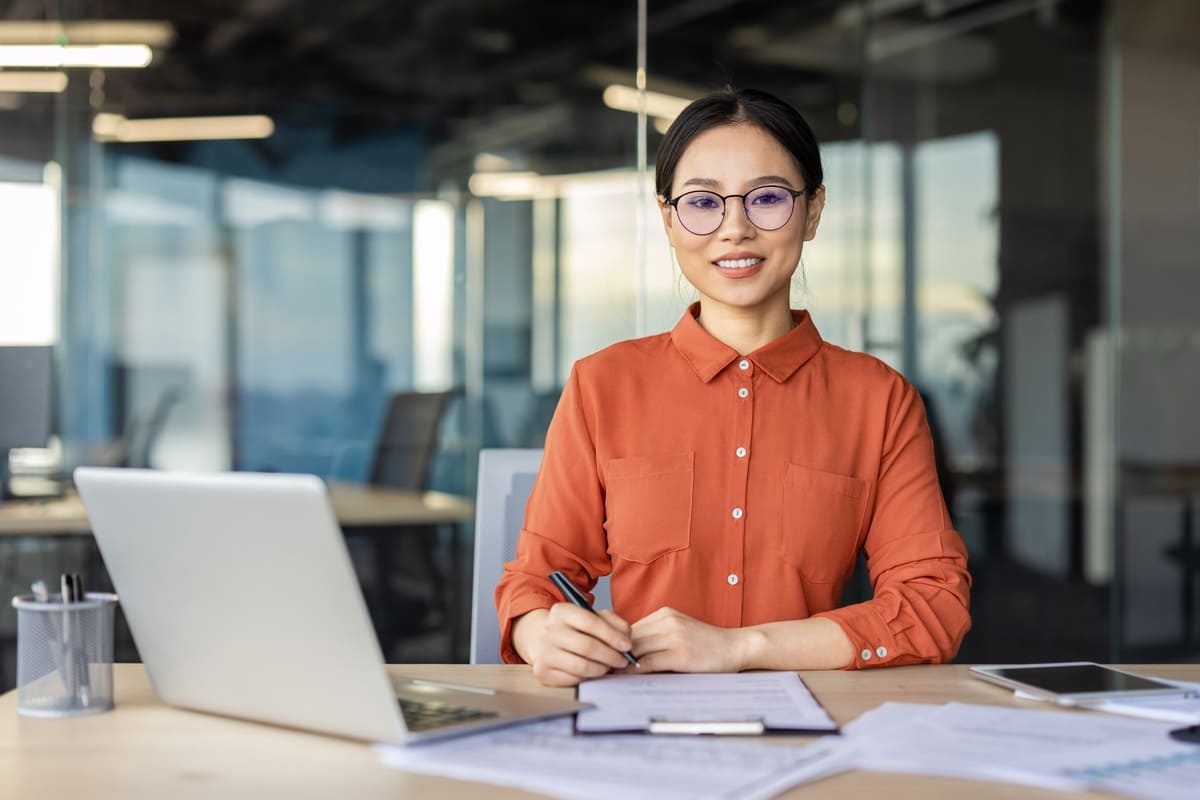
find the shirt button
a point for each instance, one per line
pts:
(743, 364)
(743, 392)
(881, 651)
(865, 655)
(733, 579)
(737, 513)
(741, 452)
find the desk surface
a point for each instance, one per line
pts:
(355, 506)
(145, 749)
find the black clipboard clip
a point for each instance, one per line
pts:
(751, 726)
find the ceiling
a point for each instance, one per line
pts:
(519, 78)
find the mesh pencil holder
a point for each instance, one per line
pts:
(64, 655)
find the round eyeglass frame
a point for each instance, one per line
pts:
(674, 203)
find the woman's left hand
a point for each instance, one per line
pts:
(671, 641)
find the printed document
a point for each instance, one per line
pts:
(547, 758)
(779, 700)
(1052, 749)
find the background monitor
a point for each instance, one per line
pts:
(26, 399)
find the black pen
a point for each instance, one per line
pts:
(575, 596)
(81, 668)
(70, 679)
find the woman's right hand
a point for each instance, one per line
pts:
(566, 644)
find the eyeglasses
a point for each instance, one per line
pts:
(768, 207)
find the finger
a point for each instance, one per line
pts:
(663, 612)
(615, 621)
(589, 647)
(648, 644)
(594, 625)
(556, 677)
(575, 664)
(656, 662)
(552, 676)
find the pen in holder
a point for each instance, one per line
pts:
(64, 652)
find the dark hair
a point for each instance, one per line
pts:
(739, 107)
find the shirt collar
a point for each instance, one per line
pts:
(779, 358)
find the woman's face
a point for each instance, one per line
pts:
(739, 265)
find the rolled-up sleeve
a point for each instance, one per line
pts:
(916, 560)
(564, 521)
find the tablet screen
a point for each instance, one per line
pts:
(1078, 679)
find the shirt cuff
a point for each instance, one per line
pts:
(514, 608)
(871, 636)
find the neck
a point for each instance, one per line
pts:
(745, 330)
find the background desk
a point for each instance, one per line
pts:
(375, 513)
(145, 749)
(355, 506)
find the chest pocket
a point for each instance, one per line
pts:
(823, 515)
(648, 506)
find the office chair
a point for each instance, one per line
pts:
(408, 439)
(505, 480)
(404, 452)
(142, 434)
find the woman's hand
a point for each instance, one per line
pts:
(671, 641)
(567, 644)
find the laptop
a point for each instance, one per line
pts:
(242, 601)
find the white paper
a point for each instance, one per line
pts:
(1051, 749)
(546, 757)
(1183, 708)
(1150, 773)
(629, 702)
(902, 737)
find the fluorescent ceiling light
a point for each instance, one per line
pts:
(147, 32)
(75, 55)
(532, 185)
(626, 98)
(116, 128)
(511, 185)
(32, 81)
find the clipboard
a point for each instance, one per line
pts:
(738, 704)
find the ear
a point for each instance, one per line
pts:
(815, 205)
(665, 210)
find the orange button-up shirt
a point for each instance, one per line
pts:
(740, 489)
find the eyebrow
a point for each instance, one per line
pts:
(761, 180)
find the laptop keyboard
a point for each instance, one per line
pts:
(423, 715)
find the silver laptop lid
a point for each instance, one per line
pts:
(241, 597)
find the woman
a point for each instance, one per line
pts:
(727, 473)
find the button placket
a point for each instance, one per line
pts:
(735, 503)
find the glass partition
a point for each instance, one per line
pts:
(452, 199)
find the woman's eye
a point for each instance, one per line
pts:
(703, 203)
(768, 198)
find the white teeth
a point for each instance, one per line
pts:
(739, 263)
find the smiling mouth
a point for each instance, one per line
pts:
(738, 263)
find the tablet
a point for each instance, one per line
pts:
(1072, 683)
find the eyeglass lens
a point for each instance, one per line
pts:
(768, 207)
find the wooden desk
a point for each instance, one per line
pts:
(145, 749)
(355, 505)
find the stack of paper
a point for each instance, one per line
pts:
(547, 758)
(1051, 749)
(1066, 750)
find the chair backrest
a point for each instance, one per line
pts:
(408, 438)
(505, 480)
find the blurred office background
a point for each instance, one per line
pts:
(456, 195)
